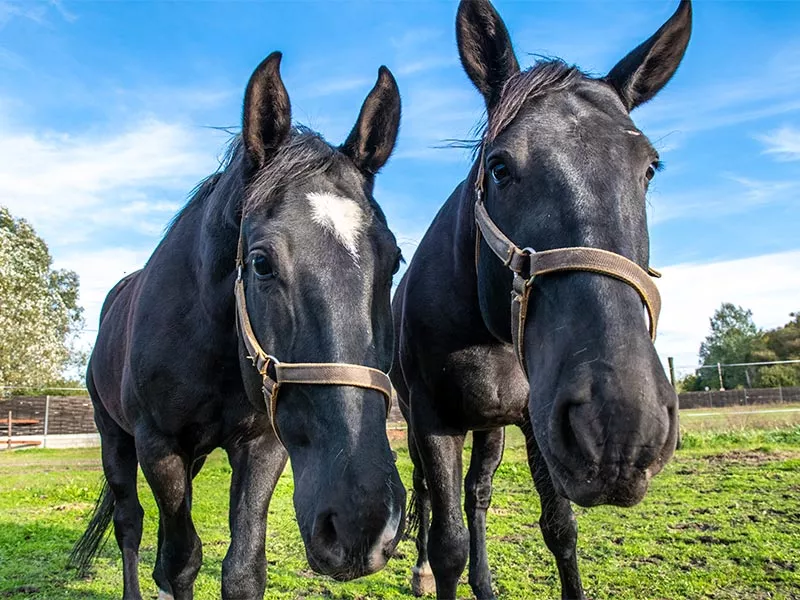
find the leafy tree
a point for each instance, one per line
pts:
(781, 343)
(734, 338)
(688, 383)
(39, 311)
(779, 376)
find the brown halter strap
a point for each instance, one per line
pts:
(298, 373)
(526, 264)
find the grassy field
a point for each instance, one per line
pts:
(721, 522)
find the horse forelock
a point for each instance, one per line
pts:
(544, 77)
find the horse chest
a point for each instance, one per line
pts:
(482, 388)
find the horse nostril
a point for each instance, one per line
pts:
(325, 529)
(572, 436)
(567, 433)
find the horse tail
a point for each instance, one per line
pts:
(93, 539)
(413, 517)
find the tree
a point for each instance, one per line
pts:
(39, 311)
(781, 343)
(734, 338)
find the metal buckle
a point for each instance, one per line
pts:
(529, 251)
(239, 273)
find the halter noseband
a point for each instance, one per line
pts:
(526, 264)
(298, 373)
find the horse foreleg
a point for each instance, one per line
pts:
(158, 571)
(557, 522)
(449, 540)
(169, 474)
(257, 465)
(487, 452)
(419, 516)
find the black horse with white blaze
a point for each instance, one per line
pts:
(172, 376)
(553, 212)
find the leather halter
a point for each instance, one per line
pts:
(298, 373)
(527, 263)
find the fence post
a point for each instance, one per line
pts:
(780, 393)
(9, 430)
(671, 362)
(46, 419)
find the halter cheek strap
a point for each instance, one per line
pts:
(298, 373)
(526, 264)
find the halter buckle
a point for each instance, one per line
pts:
(239, 273)
(529, 251)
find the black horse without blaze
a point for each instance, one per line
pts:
(172, 377)
(553, 212)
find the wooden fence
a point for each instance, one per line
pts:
(743, 397)
(43, 415)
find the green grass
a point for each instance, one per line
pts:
(721, 522)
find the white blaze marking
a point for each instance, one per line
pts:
(376, 556)
(162, 595)
(342, 217)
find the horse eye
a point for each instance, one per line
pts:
(262, 267)
(651, 169)
(499, 172)
(397, 262)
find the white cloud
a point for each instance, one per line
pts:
(72, 187)
(32, 11)
(10, 60)
(99, 270)
(784, 143)
(433, 115)
(769, 285)
(727, 100)
(337, 85)
(734, 195)
(422, 65)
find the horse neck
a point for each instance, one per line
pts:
(219, 235)
(204, 239)
(465, 230)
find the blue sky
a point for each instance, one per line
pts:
(107, 112)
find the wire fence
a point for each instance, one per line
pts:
(43, 414)
(740, 397)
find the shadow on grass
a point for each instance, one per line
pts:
(33, 563)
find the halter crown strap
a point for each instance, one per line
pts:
(526, 264)
(299, 373)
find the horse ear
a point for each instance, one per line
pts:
(372, 140)
(485, 48)
(267, 117)
(641, 75)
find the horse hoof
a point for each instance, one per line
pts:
(422, 581)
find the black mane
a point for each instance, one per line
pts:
(545, 76)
